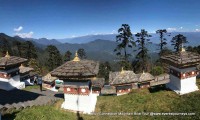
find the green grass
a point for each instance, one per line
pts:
(141, 101)
(28, 88)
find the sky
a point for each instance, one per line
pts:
(71, 18)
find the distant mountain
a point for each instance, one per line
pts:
(45, 41)
(192, 37)
(102, 50)
(88, 38)
(17, 38)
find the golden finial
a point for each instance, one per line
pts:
(21, 66)
(182, 48)
(7, 54)
(76, 58)
(122, 71)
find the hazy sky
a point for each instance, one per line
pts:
(68, 18)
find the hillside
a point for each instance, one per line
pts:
(45, 41)
(17, 38)
(100, 50)
(139, 104)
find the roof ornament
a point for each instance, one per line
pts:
(7, 55)
(182, 48)
(76, 58)
(21, 66)
(122, 71)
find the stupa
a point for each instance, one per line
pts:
(9, 72)
(182, 70)
(77, 75)
(25, 75)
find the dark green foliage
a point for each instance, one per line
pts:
(166, 51)
(28, 50)
(178, 42)
(125, 40)
(126, 65)
(54, 57)
(163, 40)
(81, 53)
(67, 56)
(35, 65)
(5, 45)
(157, 70)
(104, 69)
(194, 49)
(142, 55)
(17, 48)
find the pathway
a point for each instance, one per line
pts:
(17, 99)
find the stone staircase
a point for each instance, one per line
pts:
(45, 98)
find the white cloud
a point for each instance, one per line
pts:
(18, 29)
(197, 30)
(73, 36)
(113, 32)
(25, 35)
(171, 29)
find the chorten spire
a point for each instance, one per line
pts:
(21, 66)
(182, 48)
(122, 71)
(7, 55)
(76, 58)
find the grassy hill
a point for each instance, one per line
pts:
(142, 101)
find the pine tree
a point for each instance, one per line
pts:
(81, 53)
(67, 56)
(54, 57)
(125, 40)
(29, 50)
(178, 42)
(163, 40)
(104, 69)
(142, 55)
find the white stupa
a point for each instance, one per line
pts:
(77, 87)
(9, 72)
(183, 71)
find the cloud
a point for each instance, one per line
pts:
(197, 30)
(113, 32)
(18, 29)
(171, 29)
(25, 35)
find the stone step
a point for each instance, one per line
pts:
(1, 106)
(8, 106)
(30, 103)
(26, 104)
(14, 105)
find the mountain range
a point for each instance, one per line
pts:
(192, 37)
(100, 47)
